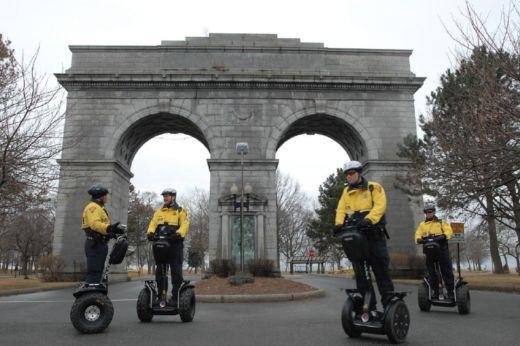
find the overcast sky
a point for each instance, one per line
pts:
(398, 24)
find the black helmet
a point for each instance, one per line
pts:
(97, 191)
(429, 206)
(169, 191)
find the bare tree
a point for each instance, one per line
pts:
(197, 240)
(469, 158)
(30, 235)
(30, 131)
(294, 214)
(475, 248)
(508, 246)
(140, 213)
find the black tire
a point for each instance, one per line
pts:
(91, 313)
(187, 303)
(347, 319)
(423, 297)
(463, 299)
(397, 322)
(144, 312)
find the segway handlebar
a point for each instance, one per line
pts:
(349, 228)
(432, 238)
(165, 232)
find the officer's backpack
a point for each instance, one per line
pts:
(118, 251)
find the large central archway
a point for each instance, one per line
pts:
(224, 89)
(150, 126)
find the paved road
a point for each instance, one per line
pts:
(43, 319)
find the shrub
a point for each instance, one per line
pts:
(222, 267)
(50, 267)
(261, 267)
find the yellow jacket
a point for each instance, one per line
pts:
(363, 200)
(435, 226)
(95, 217)
(174, 216)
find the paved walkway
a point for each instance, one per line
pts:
(43, 319)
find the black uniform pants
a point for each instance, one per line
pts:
(446, 269)
(96, 252)
(175, 262)
(379, 261)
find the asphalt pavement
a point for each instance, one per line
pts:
(43, 319)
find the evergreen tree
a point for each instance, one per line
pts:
(320, 229)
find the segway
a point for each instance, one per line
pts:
(357, 316)
(461, 297)
(153, 300)
(92, 310)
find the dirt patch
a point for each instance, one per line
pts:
(221, 286)
(14, 284)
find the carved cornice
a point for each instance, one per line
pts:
(218, 81)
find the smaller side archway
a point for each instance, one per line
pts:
(329, 126)
(344, 128)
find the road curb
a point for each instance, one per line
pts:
(259, 298)
(18, 291)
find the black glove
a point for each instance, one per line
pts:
(440, 237)
(364, 223)
(112, 229)
(149, 236)
(337, 229)
(176, 236)
(420, 241)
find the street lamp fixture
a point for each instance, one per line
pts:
(248, 190)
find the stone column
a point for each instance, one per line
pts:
(76, 177)
(261, 174)
(403, 212)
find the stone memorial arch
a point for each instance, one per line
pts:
(224, 89)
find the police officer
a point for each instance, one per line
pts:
(98, 231)
(171, 215)
(364, 203)
(436, 226)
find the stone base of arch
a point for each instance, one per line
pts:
(403, 215)
(261, 175)
(76, 176)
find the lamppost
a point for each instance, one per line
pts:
(241, 149)
(241, 205)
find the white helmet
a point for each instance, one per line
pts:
(169, 191)
(429, 206)
(353, 166)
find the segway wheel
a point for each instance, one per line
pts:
(397, 322)
(91, 313)
(144, 312)
(463, 299)
(187, 304)
(423, 298)
(347, 317)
